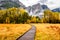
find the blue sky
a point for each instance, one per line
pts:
(50, 3)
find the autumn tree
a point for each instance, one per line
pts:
(51, 17)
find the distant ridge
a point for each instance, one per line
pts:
(56, 10)
(10, 3)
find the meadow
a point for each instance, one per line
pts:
(47, 31)
(43, 31)
(12, 31)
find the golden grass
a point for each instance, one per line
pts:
(47, 31)
(12, 31)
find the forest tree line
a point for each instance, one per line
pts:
(19, 15)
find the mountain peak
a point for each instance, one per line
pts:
(56, 10)
(36, 9)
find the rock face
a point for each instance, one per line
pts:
(34, 9)
(28, 8)
(37, 9)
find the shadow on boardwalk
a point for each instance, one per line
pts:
(29, 35)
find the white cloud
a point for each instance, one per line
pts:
(29, 2)
(53, 4)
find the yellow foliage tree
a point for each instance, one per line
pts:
(33, 19)
(50, 16)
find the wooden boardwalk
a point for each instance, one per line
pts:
(29, 35)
